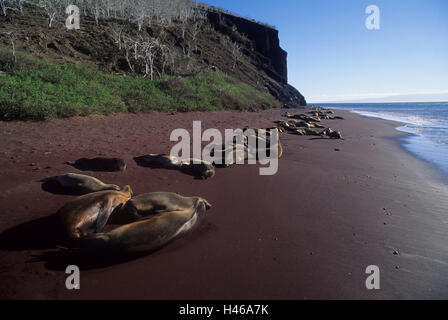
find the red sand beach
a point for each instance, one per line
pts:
(308, 232)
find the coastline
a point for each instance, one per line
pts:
(429, 147)
(309, 232)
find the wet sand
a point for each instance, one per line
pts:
(308, 232)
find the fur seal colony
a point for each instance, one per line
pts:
(149, 221)
(306, 125)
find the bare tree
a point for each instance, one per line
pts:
(13, 5)
(3, 7)
(148, 53)
(12, 37)
(20, 5)
(236, 52)
(51, 10)
(117, 33)
(166, 56)
(139, 13)
(128, 45)
(185, 14)
(195, 29)
(97, 10)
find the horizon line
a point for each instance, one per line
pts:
(380, 102)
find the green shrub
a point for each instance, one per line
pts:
(34, 89)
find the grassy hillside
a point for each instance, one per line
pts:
(36, 89)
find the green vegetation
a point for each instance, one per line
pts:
(35, 89)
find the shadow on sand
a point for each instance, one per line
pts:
(42, 234)
(52, 186)
(37, 234)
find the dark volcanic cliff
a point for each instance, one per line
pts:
(258, 60)
(266, 41)
(268, 55)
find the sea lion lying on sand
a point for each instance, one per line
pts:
(100, 164)
(148, 204)
(82, 184)
(229, 155)
(331, 134)
(90, 212)
(304, 124)
(267, 140)
(148, 234)
(202, 169)
(305, 132)
(305, 117)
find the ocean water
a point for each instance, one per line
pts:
(427, 122)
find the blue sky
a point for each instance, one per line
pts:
(332, 56)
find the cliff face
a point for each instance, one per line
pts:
(266, 54)
(259, 60)
(266, 41)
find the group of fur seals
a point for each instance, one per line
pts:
(200, 168)
(332, 134)
(148, 221)
(305, 125)
(148, 234)
(323, 113)
(231, 155)
(267, 140)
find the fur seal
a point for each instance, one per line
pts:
(267, 140)
(305, 132)
(100, 164)
(148, 204)
(202, 169)
(90, 212)
(148, 234)
(82, 184)
(331, 134)
(229, 154)
(305, 124)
